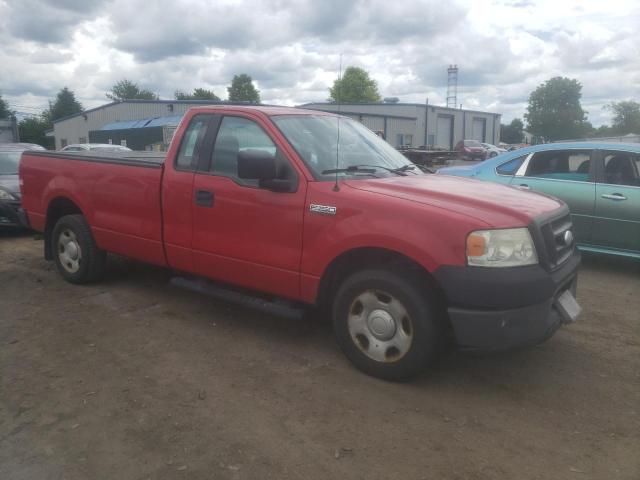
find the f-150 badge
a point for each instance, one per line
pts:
(322, 209)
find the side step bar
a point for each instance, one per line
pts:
(278, 307)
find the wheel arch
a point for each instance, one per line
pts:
(371, 257)
(57, 208)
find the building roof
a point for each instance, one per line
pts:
(165, 102)
(144, 123)
(398, 104)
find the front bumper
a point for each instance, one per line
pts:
(503, 309)
(10, 214)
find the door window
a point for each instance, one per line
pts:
(573, 165)
(622, 168)
(236, 135)
(511, 167)
(189, 148)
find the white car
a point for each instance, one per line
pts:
(85, 147)
(492, 150)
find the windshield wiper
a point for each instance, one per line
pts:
(351, 169)
(403, 168)
(370, 169)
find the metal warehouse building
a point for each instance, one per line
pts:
(76, 128)
(415, 124)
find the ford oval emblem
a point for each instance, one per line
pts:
(568, 237)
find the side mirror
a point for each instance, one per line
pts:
(256, 165)
(260, 165)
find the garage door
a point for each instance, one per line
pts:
(444, 132)
(479, 129)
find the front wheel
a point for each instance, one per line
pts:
(386, 325)
(493, 154)
(77, 257)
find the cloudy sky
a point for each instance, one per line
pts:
(504, 48)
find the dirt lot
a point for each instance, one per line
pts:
(135, 379)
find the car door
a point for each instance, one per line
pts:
(617, 217)
(244, 234)
(567, 174)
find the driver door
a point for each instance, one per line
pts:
(244, 234)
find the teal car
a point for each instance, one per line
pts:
(600, 182)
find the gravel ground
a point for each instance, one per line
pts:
(135, 379)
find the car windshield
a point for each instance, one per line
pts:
(9, 163)
(315, 138)
(472, 143)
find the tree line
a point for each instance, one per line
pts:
(33, 129)
(554, 110)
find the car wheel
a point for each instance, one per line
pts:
(492, 154)
(77, 257)
(386, 325)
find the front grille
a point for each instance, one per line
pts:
(558, 244)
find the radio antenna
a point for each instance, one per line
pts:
(336, 186)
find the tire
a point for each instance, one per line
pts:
(372, 305)
(77, 257)
(493, 154)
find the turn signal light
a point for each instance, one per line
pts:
(476, 245)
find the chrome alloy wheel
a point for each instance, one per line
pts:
(380, 326)
(69, 252)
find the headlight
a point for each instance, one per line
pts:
(511, 247)
(4, 195)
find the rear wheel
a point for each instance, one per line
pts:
(77, 257)
(386, 325)
(492, 154)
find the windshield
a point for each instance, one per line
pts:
(9, 163)
(315, 137)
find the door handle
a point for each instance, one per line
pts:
(524, 186)
(204, 198)
(614, 196)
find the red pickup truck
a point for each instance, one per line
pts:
(314, 208)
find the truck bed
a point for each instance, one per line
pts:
(117, 192)
(136, 159)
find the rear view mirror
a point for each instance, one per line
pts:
(256, 165)
(260, 165)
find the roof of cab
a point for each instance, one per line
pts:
(264, 109)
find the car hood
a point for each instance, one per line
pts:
(11, 184)
(460, 171)
(494, 204)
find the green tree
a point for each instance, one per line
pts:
(33, 130)
(512, 133)
(198, 94)
(65, 104)
(243, 90)
(128, 90)
(554, 110)
(602, 131)
(5, 111)
(626, 117)
(355, 86)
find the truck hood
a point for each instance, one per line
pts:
(494, 204)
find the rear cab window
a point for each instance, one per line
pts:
(567, 165)
(192, 140)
